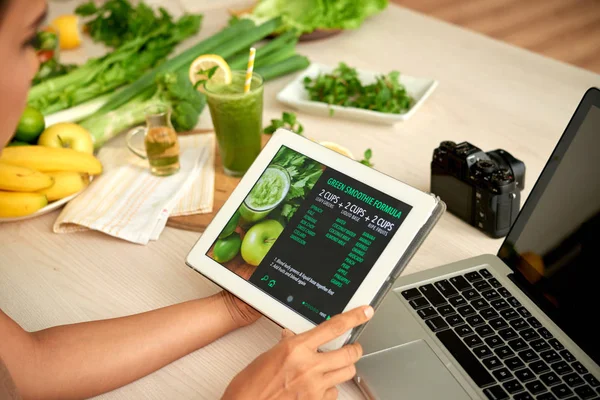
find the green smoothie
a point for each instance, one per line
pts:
(270, 190)
(237, 118)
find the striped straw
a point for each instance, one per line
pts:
(249, 70)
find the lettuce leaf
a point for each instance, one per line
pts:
(305, 16)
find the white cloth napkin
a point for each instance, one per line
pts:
(129, 203)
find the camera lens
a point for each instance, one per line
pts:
(485, 166)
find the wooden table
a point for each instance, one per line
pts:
(491, 94)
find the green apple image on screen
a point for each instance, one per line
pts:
(259, 239)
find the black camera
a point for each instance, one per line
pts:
(484, 189)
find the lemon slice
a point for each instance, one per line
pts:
(206, 62)
(68, 31)
(338, 148)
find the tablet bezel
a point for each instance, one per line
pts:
(423, 205)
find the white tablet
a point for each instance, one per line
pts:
(309, 233)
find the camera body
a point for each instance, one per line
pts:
(483, 189)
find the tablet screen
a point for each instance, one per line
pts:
(308, 235)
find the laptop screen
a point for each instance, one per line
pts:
(554, 245)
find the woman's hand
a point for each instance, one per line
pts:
(241, 313)
(295, 369)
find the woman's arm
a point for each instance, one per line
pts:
(86, 359)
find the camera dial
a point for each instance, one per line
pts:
(485, 166)
(502, 177)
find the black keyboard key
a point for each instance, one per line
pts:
(473, 341)
(470, 294)
(573, 380)
(512, 386)
(535, 387)
(479, 304)
(490, 295)
(508, 334)
(498, 323)
(562, 391)
(525, 375)
(545, 333)
(484, 331)
(550, 378)
(432, 294)
(494, 341)
(436, 324)
(419, 302)
(473, 276)
(504, 352)
(488, 313)
(427, 312)
(475, 320)
(514, 363)
(539, 367)
(534, 322)
(529, 334)
(499, 304)
(579, 368)
(454, 320)
(528, 355)
(519, 324)
(513, 302)
(465, 311)
(482, 351)
(457, 301)
(523, 396)
(411, 294)
(445, 310)
(445, 288)
(585, 392)
(495, 393)
(482, 285)
(561, 368)
(502, 374)
(539, 345)
(485, 273)
(463, 330)
(589, 378)
(556, 345)
(550, 356)
(492, 362)
(509, 313)
(494, 282)
(465, 358)
(504, 292)
(524, 312)
(460, 283)
(566, 354)
(546, 396)
(517, 344)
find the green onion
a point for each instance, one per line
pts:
(240, 59)
(292, 64)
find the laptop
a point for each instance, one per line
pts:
(521, 324)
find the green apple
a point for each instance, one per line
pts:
(259, 239)
(231, 225)
(226, 249)
(69, 135)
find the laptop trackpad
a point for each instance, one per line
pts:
(408, 371)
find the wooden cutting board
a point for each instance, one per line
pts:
(224, 185)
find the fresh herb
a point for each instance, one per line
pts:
(208, 73)
(367, 158)
(118, 21)
(344, 88)
(288, 121)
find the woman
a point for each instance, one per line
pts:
(86, 359)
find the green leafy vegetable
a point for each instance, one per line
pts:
(305, 16)
(172, 89)
(105, 74)
(118, 21)
(367, 158)
(287, 121)
(209, 74)
(343, 87)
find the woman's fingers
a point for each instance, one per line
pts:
(336, 359)
(286, 333)
(331, 394)
(339, 376)
(337, 326)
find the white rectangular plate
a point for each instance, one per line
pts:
(296, 96)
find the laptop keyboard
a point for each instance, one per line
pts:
(502, 347)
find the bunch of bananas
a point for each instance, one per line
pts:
(31, 177)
